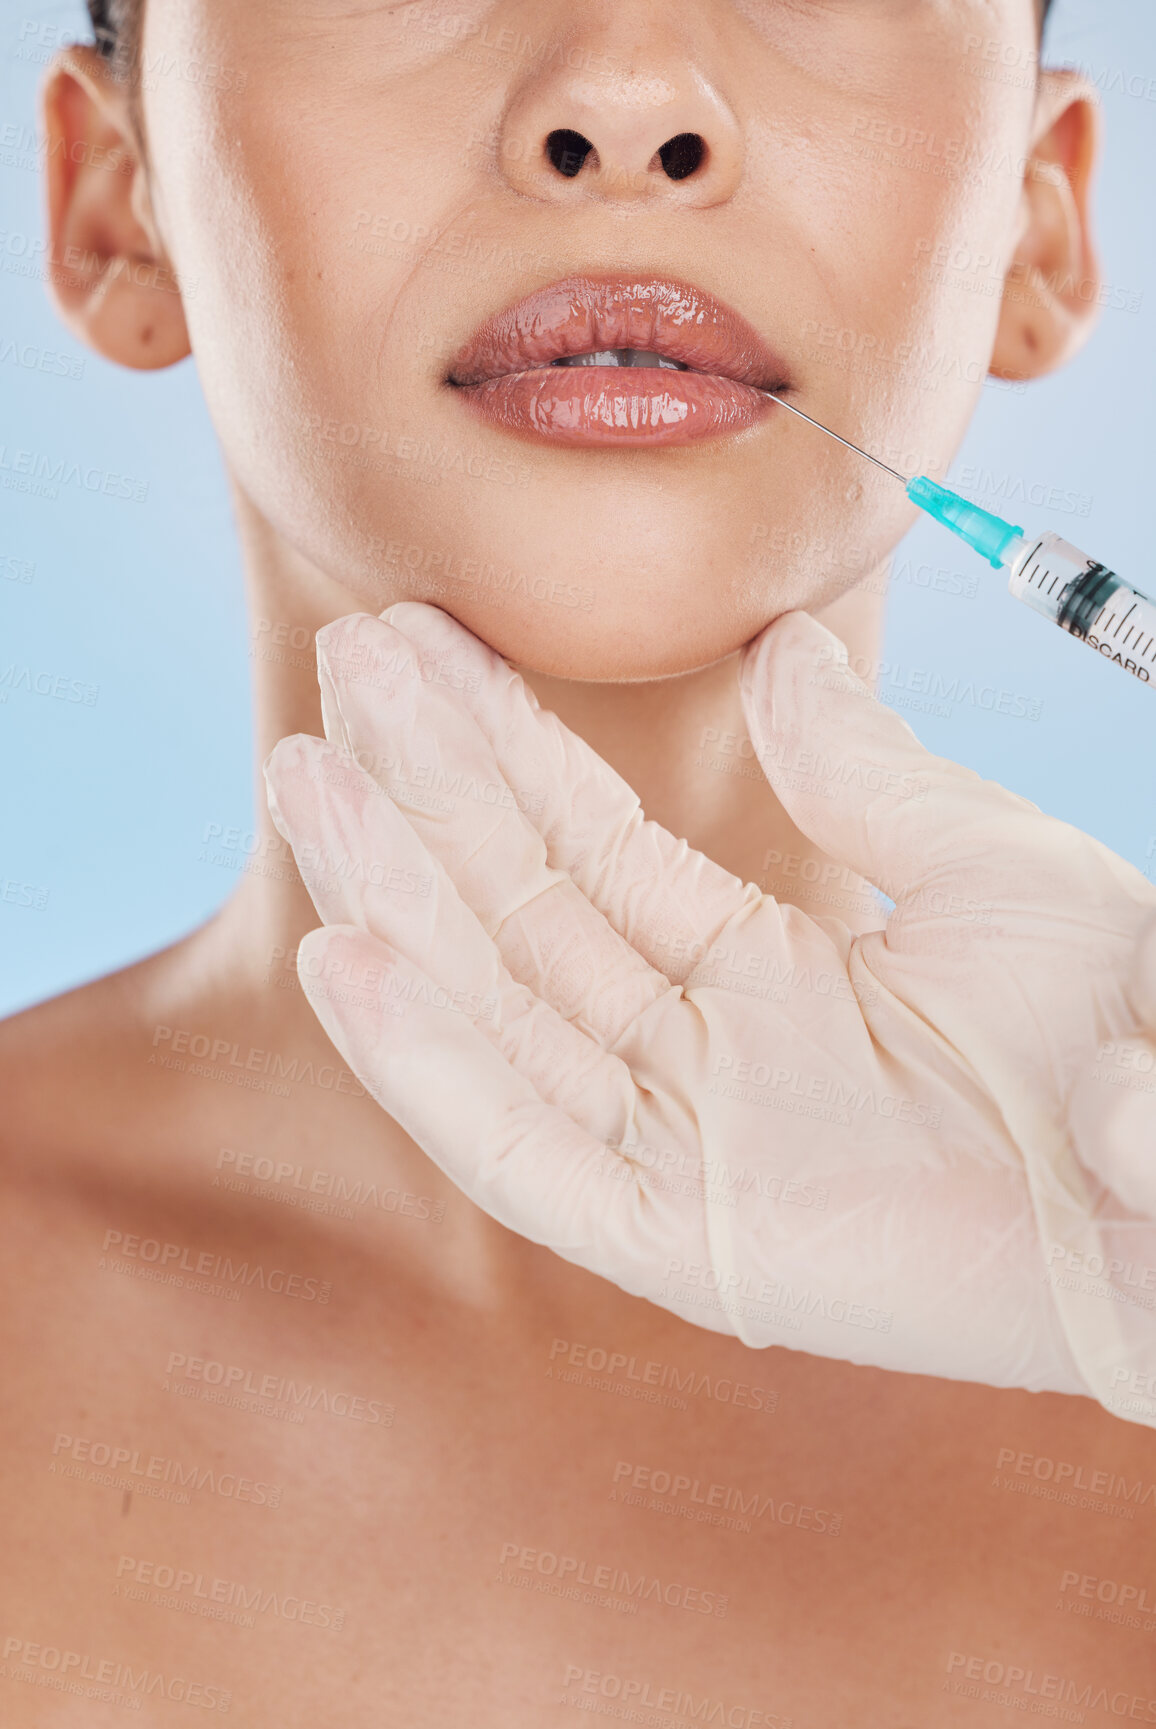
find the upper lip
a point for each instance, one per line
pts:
(579, 314)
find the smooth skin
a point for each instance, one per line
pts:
(283, 141)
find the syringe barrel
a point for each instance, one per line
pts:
(1088, 600)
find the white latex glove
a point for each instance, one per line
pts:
(855, 1146)
(1113, 1118)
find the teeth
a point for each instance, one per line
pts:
(622, 357)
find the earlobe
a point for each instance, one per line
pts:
(110, 278)
(1051, 295)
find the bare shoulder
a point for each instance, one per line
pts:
(67, 1064)
(90, 1082)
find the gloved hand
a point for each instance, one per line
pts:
(1113, 1119)
(856, 1146)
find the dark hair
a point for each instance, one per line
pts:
(116, 28)
(116, 25)
(114, 22)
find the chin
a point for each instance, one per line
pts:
(607, 644)
(610, 587)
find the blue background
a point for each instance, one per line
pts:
(104, 806)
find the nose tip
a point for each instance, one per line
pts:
(653, 131)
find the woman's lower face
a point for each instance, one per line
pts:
(370, 210)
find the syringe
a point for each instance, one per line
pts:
(1049, 574)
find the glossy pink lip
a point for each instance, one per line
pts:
(505, 372)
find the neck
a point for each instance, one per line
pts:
(681, 743)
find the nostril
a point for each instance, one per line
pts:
(567, 150)
(682, 154)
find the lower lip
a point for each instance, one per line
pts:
(616, 405)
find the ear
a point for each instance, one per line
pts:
(110, 278)
(1051, 290)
